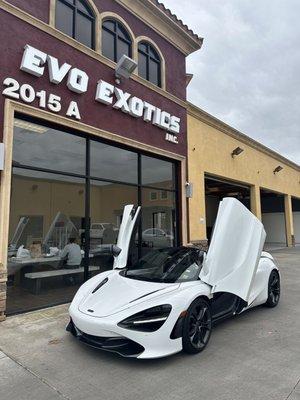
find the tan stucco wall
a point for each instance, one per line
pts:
(209, 151)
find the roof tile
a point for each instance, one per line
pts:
(177, 21)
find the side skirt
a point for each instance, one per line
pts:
(236, 308)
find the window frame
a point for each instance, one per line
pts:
(76, 10)
(149, 58)
(116, 37)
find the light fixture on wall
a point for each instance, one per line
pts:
(34, 188)
(124, 68)
(236, 152)
(277, 169)
(80, 192)
(189, 190)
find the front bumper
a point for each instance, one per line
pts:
(105, 334)
(120, 345)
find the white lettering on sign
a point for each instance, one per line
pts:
(34, 62)
(73, 110)
(148, 111)
(78, 80)
(171, 138)
(56, 73)
(122, 99)
(111, 95)
(104, 92)
(27, 93)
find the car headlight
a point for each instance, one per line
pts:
(149, 320)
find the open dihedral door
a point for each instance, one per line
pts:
(129, 218)
(235, 250)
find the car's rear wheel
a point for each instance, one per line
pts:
(273, 289)
(197, 327)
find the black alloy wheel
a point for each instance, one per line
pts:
(197, 327)
(273, 289)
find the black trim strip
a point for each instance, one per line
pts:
(144, 295)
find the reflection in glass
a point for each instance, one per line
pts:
(116, 41)
(76, 19)
(38, 146)
(158, 222)
(109, 162)
(60, 232)
(108, 41)
(149, 63)
(48, 211)
(154, 72)
(157, 173)
(107, 204)
(42, 205)
(64, 18)
(84, 32)
(142, 66)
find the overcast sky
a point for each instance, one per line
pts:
(248, 70)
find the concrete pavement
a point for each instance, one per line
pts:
(253, 356)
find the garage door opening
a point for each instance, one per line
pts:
(296, 218)
(273, 218)
(215, 190)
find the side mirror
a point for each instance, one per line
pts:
(201, 256)
(115, 250)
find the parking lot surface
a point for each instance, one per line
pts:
(253, 356)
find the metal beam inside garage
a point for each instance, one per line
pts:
(296, 219)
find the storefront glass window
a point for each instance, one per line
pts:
(42, 147)
(67, 198)
(113, 163)
(157, 173)
(159, 220)
(40, 228)
(107, 204)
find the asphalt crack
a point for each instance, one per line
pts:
(292, 391)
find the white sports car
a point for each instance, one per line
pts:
(170, 299)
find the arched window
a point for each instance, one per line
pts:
(149, 63)
(116, 41)
(76, 19)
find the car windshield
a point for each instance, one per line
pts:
(167, 265)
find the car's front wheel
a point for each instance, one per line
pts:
(197, 327)
(273, 289)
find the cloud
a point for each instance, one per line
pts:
(247, 72)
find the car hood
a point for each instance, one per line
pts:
(119, 293)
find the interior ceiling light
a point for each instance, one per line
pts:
(236, 152)
(28, 126)
(213, 189)
(277, 169)
(234, 194)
